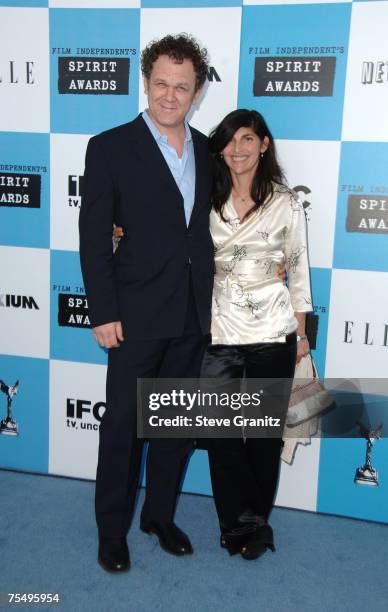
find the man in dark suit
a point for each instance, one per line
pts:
(150, 301)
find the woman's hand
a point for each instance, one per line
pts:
(303, 348)
(282, 273)
(117, 235)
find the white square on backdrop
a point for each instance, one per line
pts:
(311, 168)
(358, 325)
(366, 90)
(77, 400)
(24, 70)
(302, 476)
(24, 301)
(67, 161)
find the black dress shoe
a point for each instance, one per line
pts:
(258, 543)
(234, 539)
(171, 538)
(113, 554)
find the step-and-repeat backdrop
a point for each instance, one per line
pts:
(318, 71)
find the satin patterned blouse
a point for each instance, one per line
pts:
(250, 303)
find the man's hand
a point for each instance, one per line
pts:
(109, 335)
(282, 273)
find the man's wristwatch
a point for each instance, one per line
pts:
(299, 338)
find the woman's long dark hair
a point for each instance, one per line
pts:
(268, 171)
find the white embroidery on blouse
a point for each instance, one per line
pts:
(234, 223)
(294, 257)
(239, 252)
(247, 301)
(264, 235)
(278, 334)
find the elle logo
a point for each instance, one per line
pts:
(18, 72)
(371, 335)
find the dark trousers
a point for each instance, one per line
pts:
(244, 473)
(120, 451)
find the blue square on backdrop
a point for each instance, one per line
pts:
(94, 68)
(306, 33)
(338, 494)
(320, 286)
(361, 232)
(71, 338)
(197, 476)
(23, 3)
(24, 189)
(341, 457)
(30, 409)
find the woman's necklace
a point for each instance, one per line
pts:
(245, 198)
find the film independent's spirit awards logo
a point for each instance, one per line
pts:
(73, 310)
(367, 214)
(93, 75)
(294, 76)
(19, 190)
(8, 425)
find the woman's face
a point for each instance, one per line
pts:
(242, 153)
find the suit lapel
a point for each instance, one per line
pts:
(201, 171)
(158, 170)
(148, 150)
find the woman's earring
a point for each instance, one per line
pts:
(261, 155)
(222, 157)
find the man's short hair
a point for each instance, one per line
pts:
(177, 47)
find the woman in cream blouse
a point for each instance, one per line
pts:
(258, 323)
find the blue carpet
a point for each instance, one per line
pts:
(48, 544)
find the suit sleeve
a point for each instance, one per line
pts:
(95, 229)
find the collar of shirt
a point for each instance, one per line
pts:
(181, 168)
(161, 137)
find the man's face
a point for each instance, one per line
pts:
(171, 92)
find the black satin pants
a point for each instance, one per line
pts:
(244, 472)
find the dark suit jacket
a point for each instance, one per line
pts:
(145, 283)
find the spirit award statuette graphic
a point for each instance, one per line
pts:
(8, 426)
(367, 474)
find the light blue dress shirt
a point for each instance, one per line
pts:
(182, 168)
